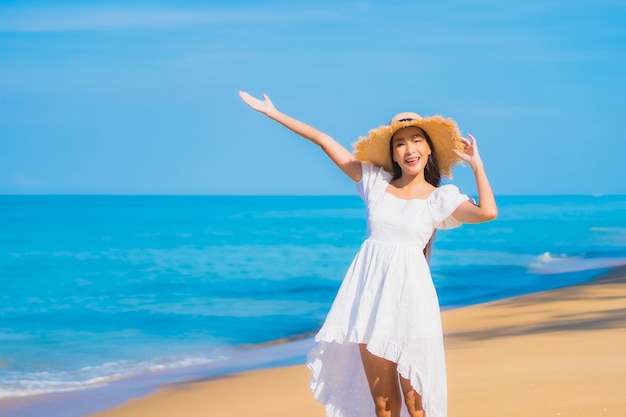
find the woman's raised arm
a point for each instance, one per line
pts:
(342, 157)
(486, 209)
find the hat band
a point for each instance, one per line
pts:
(408, 119)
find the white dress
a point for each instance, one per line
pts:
(387, 300)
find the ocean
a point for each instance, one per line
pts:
(95, 289)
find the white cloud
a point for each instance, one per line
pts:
(63, 19)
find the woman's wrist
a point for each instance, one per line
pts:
(477, 166)
(272, 113)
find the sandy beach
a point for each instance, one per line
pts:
(554, 353)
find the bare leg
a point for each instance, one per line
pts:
(382, 377)
(412, 399)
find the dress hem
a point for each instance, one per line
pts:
(376, 345)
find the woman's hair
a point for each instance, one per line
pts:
(432, 175)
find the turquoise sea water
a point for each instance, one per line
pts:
(100, 288)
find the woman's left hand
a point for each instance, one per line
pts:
(470, 153)
(486, 209)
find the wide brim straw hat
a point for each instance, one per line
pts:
(443, 133)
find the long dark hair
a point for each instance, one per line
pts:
(432, 175)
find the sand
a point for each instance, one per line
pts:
(555, 353)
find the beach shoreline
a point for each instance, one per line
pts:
(477, 337)
(87, 401)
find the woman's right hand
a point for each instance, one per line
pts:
(264, 106)
(342, 157)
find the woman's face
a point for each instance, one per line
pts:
(410, 150)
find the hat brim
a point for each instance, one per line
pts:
(443, 132)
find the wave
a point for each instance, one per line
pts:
(548, 263)
(608, 229)
(244, 357)
(24, 384)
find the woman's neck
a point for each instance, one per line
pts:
(410, 181)
(410, 186)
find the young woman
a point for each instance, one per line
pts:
(382, 338)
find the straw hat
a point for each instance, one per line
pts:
(443, 133)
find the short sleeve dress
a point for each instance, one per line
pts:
(387, 301)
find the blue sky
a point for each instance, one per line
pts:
(141, 97)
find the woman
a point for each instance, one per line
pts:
(382, 338)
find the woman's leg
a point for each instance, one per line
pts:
(382, 377)
(412, 399)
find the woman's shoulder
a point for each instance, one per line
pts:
(446, 190)
(371, 172)
(373, 180)
(445, 199)
(447, 195)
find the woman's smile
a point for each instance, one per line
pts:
(409, 148)
(414, 160)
